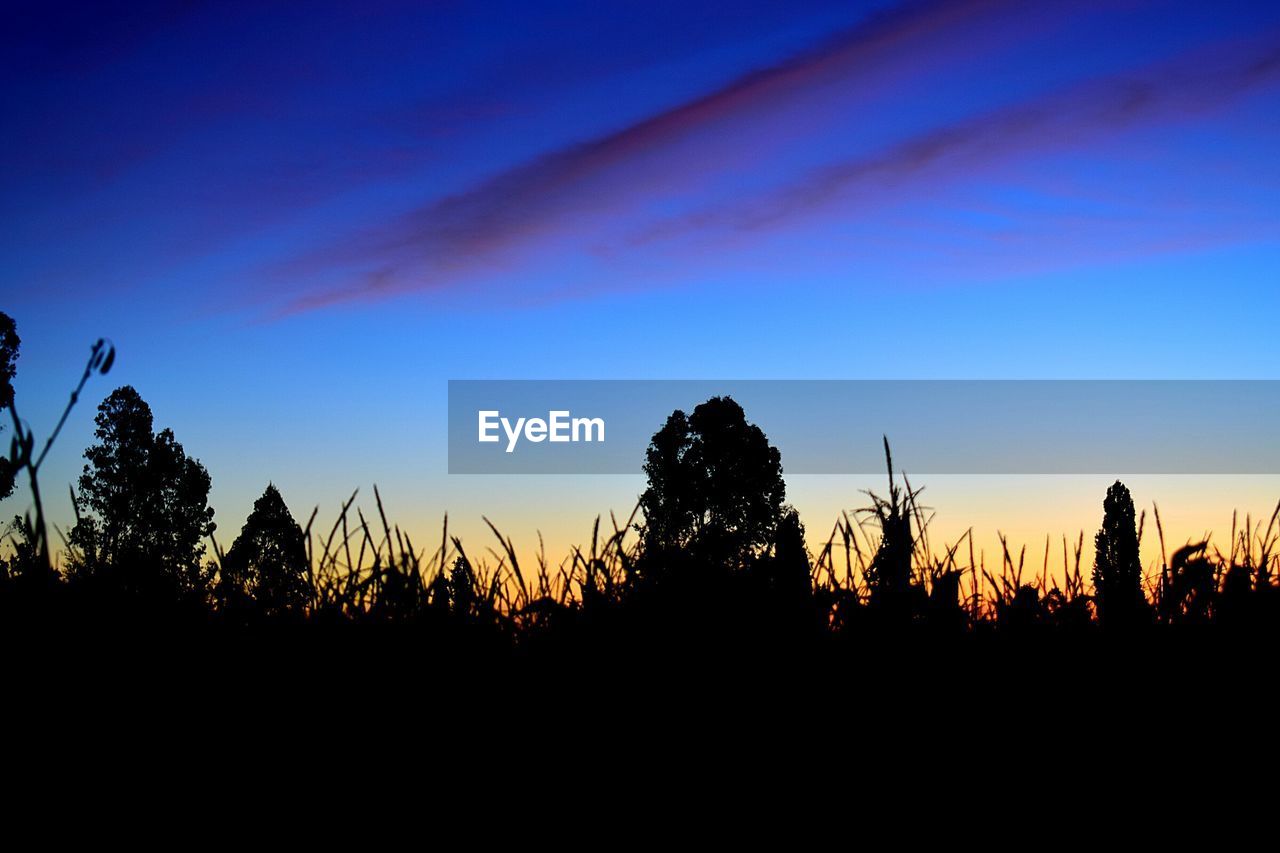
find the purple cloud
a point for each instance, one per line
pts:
(625, 178)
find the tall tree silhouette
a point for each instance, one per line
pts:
(1117, 569)
(9, 344)
(715, 486)
(265, 570)
(142, 506)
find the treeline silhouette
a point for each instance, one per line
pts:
(712, 553)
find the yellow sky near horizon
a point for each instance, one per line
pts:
(1025, 508)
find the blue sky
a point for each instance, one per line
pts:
(297, 221)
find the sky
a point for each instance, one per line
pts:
(297, 221)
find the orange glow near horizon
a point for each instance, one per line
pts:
(1025, 509)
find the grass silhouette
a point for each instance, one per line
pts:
(877, 574)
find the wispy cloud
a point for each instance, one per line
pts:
(449, 235)
(668, 156)
(1191, 85)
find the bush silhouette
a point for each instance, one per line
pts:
(142, 508)
(265, 570)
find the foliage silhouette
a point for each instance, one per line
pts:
(893, 595)
(785, 572)
(717, 559)
(715, 489)
(1189, 586)
(265, 570)
(1117, 569)
(720, 553)
(9, 346)
(142, 510)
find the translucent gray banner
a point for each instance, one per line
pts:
(835, 426)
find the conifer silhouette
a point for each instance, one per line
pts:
(265, 570)
(1117, 570)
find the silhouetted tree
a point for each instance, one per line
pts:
(1117, 569)
(787, 568)
(463, 595)
(9, 345)
(715, 487)
(142, 506)
(784, 585)
(265, 569)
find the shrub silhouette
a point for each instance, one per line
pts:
(715, 489)
(265, 570)
(1117, 570)
(142, 508)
